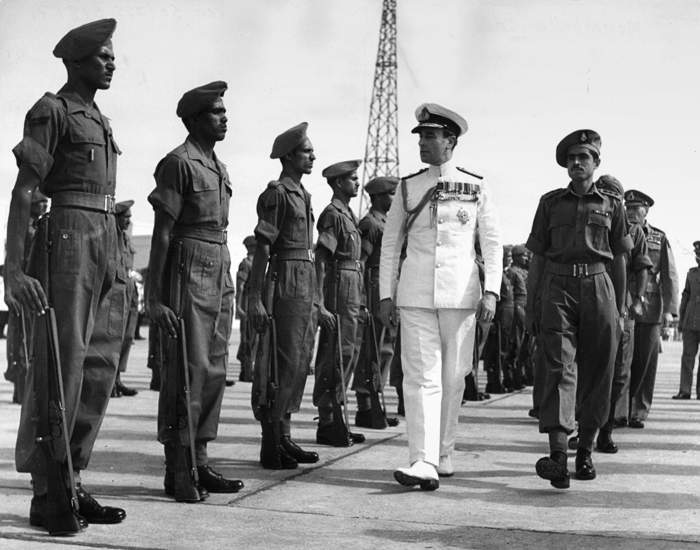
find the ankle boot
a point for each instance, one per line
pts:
(272, 455)
(178, 481)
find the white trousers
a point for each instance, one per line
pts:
(437, 347)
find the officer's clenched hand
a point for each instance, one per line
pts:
(164, 317)
(326, 318)
(387, 312)
(257, 314)
(21, 291)
(668, 319)
(636, 309)
(486, 308)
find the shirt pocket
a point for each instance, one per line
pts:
(597, 231)
(84, 149)
(561, 231)
(205, 198)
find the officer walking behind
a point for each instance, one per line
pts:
(381, 192)
(660, 305)
(577, 231)
(637, 264)
(283, 273)
(439, 294)
(689, 326)
(190, 280)
(68, 151)
(522, 344)
(339, 273)
(123, 212)
(247, 343)
(18, 325)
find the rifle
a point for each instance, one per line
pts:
(52, 427)
(373, 377)
(339, 348)
(267, 344)
(183, 366)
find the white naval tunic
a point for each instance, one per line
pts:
(438, 292)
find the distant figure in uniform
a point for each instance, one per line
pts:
(381, 192)
(123, 212)
(283, 271)
(189, 278)
(689, 326)
(18, 329)
(522, 345)
(69, 152)
(439, 294)
(340, 293)
(247, 344)
(660, 305)
(576, 233)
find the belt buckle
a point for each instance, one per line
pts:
(310, 254)
(109, 204)
(358, 265)
(580, 270)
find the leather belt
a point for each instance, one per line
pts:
(349, 265)
(575, 270)
(80, 199)
(302, 254)
(207, 234)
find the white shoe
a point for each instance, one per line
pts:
(445, 468)
(420, 473)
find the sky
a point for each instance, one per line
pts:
(523, 74)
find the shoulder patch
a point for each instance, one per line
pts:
(470, 173)
(553, 194)
(414, 174)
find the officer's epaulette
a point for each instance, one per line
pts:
(610, 193)
(477, 176)
(552, 194)
(414, 174)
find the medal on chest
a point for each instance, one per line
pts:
(463, 215)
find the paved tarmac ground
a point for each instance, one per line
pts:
(645, 497)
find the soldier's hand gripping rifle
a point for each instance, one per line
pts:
(51, 424)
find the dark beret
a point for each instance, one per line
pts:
(634, 197)
(84, 40)
(696, 245)
(519, 250)
(588, 139)
(381, 184)
(611, 183)
(122, 207)
(340, 168)
(289, 140)
(250, 241)
(200, 99)
(432, 115)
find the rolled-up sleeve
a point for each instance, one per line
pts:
(392, 243)
(43, 127)
(271, 212)
(328, 230)
(490, 240)
(171, 177)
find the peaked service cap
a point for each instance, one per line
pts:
(588, 139)
(634, 197)
(432, 115)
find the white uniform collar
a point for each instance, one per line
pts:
(445, 170)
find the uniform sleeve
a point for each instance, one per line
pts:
(328, 230)
(639, 256)
(271, 209)
(490, 240)
(172, 182)
(538, 241)
(369, 233)
(669, 278)
(43, 127)
(685, 297)
(620, 241)
(392, 245)
(519, 288)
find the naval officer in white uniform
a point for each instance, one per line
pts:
(438, 293)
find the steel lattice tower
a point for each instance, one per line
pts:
(382, 148)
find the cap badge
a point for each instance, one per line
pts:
(463, 216)
(584, 137)
(424, 115)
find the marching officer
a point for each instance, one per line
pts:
(283, 272)
(576, 233)
(689, 326)
(340, 295)
(123, 212)
(381, 192)
(189, 271)
(660, 305)
(68, 151)
(247, 342)
(438, 294)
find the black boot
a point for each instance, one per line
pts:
(297, 453)
(401, 410)
(272, 455)
(43, 515)
(178, 482)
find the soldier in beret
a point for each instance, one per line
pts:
(283, 271)
(247, 333)
(123, 212)
(573, 306)
(439, 294)
(381, 191)
(190, 279)
(69, 153)
(340, 293)
(660, 305)
(689, 326)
